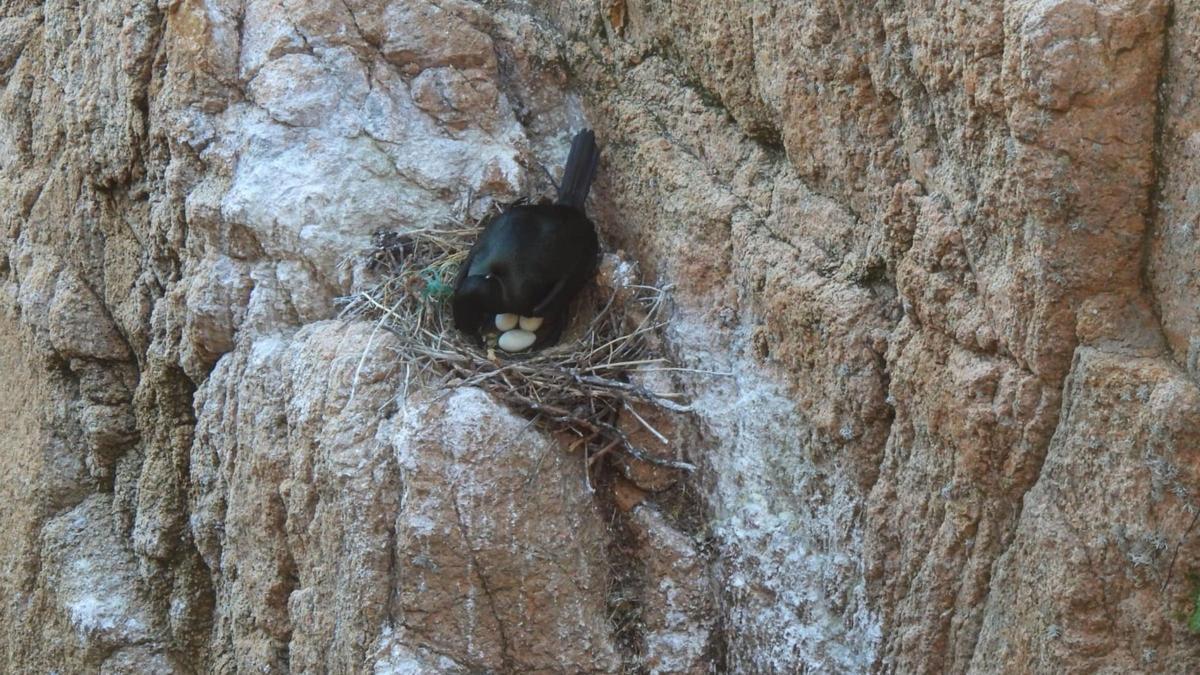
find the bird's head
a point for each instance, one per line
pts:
(477, 299)
(485, 291)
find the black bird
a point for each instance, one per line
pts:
(532, 260)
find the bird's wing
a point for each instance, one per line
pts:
(553, 298)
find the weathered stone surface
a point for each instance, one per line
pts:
(678, 600)
(935, 287)
(1101, 568)
(501, 541)
(1175, 244)
(456, 518)
(86, 599)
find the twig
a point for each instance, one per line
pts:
(604, 451)
(661, 439)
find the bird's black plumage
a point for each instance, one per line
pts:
(532, 260)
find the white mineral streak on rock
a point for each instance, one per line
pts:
(93, 577)
(795, 592)
(331, 147)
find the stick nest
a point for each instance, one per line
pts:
(581, 386)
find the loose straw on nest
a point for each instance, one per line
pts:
(579, 386)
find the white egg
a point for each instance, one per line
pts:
(517, 340)
(506, 321)
(531, 323)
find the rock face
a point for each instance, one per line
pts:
(944, 255)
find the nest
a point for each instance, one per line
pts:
(581, 386)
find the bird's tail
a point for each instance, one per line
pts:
(580, 170)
